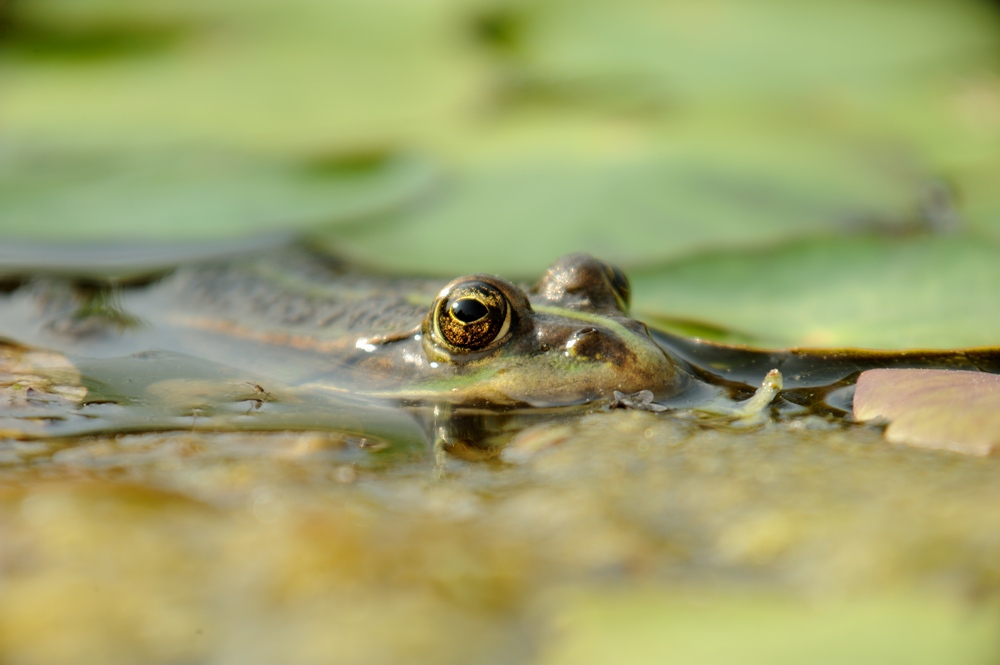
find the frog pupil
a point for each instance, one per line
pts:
(468, 310)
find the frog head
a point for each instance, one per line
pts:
(487, 342)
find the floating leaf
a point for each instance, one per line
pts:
(545, 184)
(294, 76)
(935, 292)
(732, 48)
(952, 410)
(61, 194)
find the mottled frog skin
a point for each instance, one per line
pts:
(476, 341)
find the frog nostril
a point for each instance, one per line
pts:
(585, 342)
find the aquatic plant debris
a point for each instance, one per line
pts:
(930, 408)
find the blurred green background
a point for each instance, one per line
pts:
(787, 171)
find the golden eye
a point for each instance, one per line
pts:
(471, 316)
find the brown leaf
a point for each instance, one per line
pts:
(931, 408)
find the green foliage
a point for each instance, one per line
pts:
(302, 75)
(632, 191)
(691, 53)
(476, 135)
(851, 291)
(53, 193)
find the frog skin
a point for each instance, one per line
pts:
(481, 342)
(485, 342)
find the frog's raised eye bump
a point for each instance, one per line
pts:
(471, 316)
(619, 281)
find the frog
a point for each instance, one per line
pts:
(294, 323)
(477, 341)
(246, 342)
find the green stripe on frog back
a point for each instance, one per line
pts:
(588, 317)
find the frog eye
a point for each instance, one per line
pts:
(471, 316)
(619, 282)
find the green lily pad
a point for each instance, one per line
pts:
(543, 184)
(731, 48)
(952, 410)
(300, 75)
(933, 292)
(81, 195)
(950, 128)
(336, 78)
(980, 196)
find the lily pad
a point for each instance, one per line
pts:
(947, 409)
(62, 194)
(541, 184)
(980, 196)
(731, 48)
(292, 76)
(864, 291)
